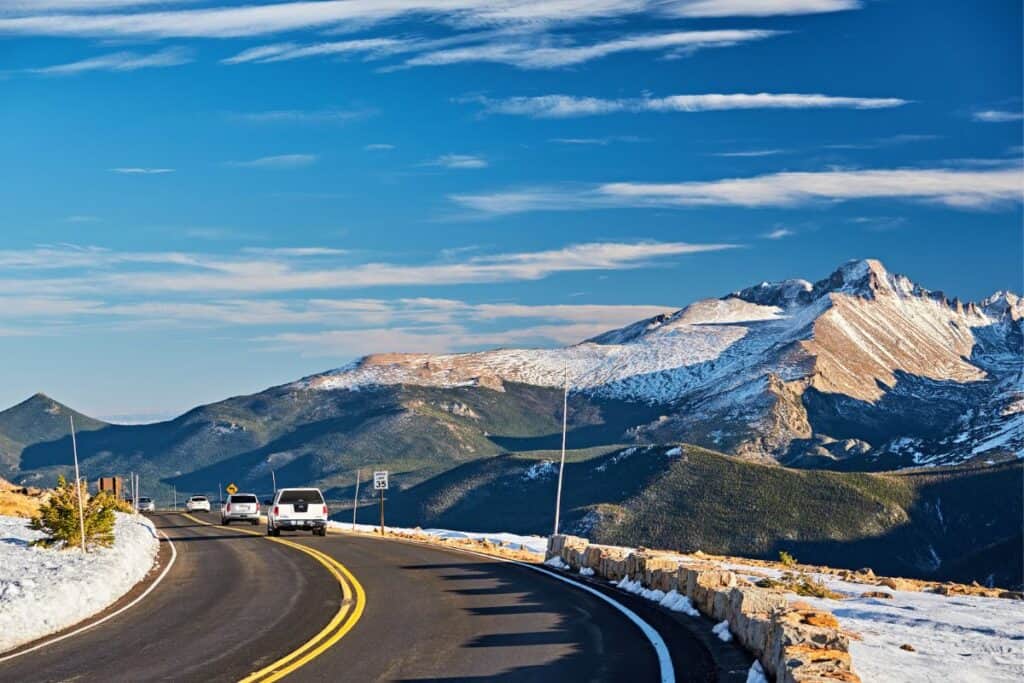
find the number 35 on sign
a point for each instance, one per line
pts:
(380, 481)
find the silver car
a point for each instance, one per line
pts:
(147, 505)
(240, 507)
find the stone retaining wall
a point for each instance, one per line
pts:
(795, 643)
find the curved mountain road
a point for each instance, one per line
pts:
(235, 602)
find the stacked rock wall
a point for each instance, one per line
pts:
(794, 643)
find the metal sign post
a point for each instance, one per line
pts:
(380, 483)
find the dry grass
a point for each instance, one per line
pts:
(15, 503)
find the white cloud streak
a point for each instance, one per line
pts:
(459, 161)
(119, 61)
(526, 50)
(997, 116)
(139, 170)
(280, 161)
(750, 153)
(301, 116)
(266, 19)
(566, 106)
(285, 271)
(960, 189)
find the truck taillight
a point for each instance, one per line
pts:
(229, 507)
(325, 510)
(275, 511)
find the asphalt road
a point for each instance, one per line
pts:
(235, 602)
(231, 603)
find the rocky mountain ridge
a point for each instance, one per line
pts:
(864, 365)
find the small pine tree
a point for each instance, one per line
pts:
(58, 517)
(786, 559)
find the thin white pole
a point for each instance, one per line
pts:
(355, 502)
(273, 479)
(561, 466)
(78, 483)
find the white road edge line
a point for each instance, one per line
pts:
(174, 556)
(668, 674)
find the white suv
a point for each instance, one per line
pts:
(240, 507)
(297, 509)
(197, 503)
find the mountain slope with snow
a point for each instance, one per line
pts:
(863, 363)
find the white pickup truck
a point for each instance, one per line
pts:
(299, 509)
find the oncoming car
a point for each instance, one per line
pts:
(146, 505)
(196, 503)
(297, 509)
(240, 507)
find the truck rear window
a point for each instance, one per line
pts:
(309, 495)
(242, 499)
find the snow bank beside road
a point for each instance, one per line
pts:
(531, 544)
(44, 590)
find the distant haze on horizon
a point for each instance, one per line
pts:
(197, 204)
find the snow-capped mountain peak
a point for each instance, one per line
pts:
(863, 354)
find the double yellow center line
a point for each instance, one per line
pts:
(353, 603)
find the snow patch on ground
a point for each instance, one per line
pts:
(540, 470)
(532, 544)
(721, 629)
(678, 602)
(980, 637)
(756, 673)
(556, 562)
(586, 571)
(44, 590)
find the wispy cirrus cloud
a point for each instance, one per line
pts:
(459, 161)
(997, 116)
(955, 188)
(141, 170)
(88, 18)
(750, 153)
(119, 61)
(317, 116)
(378, 147)
(548, 52)
(279, 161)
(601, 142)
(778, 234)
(526, 50)
(101, 270)
(566, 106)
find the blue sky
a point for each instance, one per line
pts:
(201, 199)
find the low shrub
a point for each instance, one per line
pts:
(58, 517)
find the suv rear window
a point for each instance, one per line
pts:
(199, 499)
(242, 499)
(309, 495)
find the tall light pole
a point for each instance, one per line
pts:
(273, 480)
(78, 483)
(561, 466)
(355, 502)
